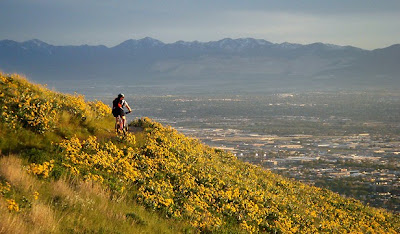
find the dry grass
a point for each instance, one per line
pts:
(93, 193)
(11, 169)
(38, 219)
(10, 222)
(62, 189)
(90, 189)
(42, 218)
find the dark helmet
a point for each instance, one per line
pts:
(121, 95)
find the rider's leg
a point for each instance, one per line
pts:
(116, 121)
(123, 121)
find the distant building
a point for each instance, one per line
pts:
(270, 163)
(291, 146)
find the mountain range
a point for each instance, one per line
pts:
(245, 63)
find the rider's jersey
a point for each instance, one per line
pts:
(117, 103)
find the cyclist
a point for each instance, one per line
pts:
(118, 109)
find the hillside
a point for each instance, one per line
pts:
(63, 170)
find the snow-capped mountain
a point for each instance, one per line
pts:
(146, 42)
(238, 44)
(35, 43)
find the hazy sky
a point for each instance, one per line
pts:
(366, 24)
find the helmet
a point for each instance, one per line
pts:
(121, 95)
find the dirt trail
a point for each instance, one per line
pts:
(136, 129)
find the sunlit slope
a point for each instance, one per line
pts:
(38, 193)
(212, 188)
(29, 111)
(177, 177)
(34, 204)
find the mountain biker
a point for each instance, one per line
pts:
(118, 109)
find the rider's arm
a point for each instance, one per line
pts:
(129, 108)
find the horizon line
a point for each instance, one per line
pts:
(166, 43)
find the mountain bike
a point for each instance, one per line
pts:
(118, 124)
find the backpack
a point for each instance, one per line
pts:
(118, 103)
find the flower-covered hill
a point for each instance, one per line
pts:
(214, 190)
(193, 186)
(38, 191)
(30, 111)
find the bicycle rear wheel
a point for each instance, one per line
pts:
(118, 129)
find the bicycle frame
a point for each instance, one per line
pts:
(118, 124)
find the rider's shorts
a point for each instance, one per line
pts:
(118, 112)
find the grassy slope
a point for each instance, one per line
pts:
(65, 203)
(70, 206)
(86, 179)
